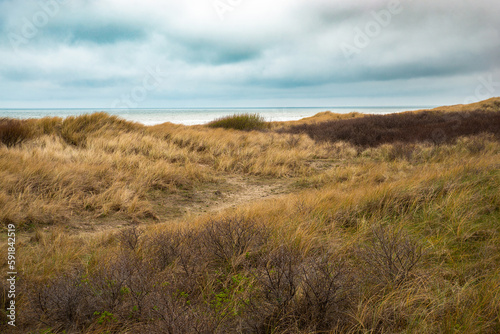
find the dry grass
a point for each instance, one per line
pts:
(491, 104)
(98, 165)
(321, 117)
(394, 238)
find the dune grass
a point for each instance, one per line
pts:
(390, 238)
(99, 165)
(244, 122)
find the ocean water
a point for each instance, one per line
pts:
(199, 116)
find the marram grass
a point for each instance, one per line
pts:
(245, 122)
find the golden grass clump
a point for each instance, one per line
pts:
(245, 122)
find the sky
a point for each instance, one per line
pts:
(247, 53)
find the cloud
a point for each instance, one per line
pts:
(256, 50)
(98, 32)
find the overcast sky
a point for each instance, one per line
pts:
(247, 53)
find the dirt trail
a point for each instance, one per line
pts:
(249, 191)
(234, 191)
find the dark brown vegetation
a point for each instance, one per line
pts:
(225, 277)
(13, 131)
(432, 126)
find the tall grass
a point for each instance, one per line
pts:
(240, 122)
(101, 166)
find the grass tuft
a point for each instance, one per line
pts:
(246, 122)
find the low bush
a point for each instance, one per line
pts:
(129, 238)
(391, 257)
(435, 127)
(63, 303)
(179, 282)
(231, 241)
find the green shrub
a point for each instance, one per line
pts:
(245, 122)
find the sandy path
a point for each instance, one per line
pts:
(249, 191)
(235, 191)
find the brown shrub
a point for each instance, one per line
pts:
(327, 294)
(409, 127)
(129, 238)
(391, 256)
(231, 240)
(295, 293)
(63, 303)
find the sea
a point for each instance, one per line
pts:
(201, 115)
